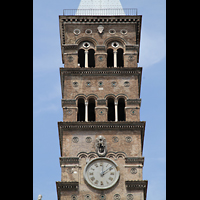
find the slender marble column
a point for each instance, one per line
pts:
(116, 113)
(115, 58)
(86, 110)
(86, 59)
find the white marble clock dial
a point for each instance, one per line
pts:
(101, 173)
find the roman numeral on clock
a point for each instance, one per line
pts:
(92, 178)
(110, 178)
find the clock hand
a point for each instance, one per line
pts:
(102, 173)
(102, 170)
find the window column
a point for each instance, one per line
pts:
(115, 58)
(86, 110)
(86, 58)
(116, 111)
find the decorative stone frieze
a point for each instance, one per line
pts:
(70, 102)
(66, 186)
(69, 160)
(136, 184)
(70, 46)
(133, 102)
(101, 102)
(130, 47)
(134, 160)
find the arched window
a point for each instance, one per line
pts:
(91, 110)
(121, 109)
(120, 58)
(81, 57)
(81, 110)
(91, 60)
(111, 109)
(110, 58)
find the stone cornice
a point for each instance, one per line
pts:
(137, 185)
(101, 72)
(77, 19)
(94, 126)
(101, 125)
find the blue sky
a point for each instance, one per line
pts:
(47, 109)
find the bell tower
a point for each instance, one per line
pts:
(101, 135)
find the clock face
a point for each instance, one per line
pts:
(101, 173)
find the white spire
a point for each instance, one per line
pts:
(100, 7)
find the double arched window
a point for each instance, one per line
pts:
(116, 109)
(121, 109)
(86, 109)
(115, 55)
(86, 55)
(111, 109)
(81, 110)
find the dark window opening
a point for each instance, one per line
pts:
(120, 58)
(121, 109)
(81, 110)
(91, 60)
(91, 110)
(111, 110)
(81, 57)
(110, 58)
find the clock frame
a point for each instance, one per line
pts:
(101, 173)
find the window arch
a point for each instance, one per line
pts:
(110, 58)
(121, 109)
(81, 110)
(111, 109)
(115, 54)
(86, 54)
(81, 57)
(91, 109)
(91, 60)
(120, 57)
